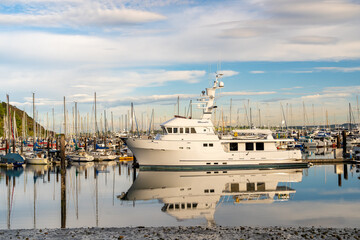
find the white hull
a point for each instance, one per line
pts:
(168, 153)
(37, 161)
(81, 157)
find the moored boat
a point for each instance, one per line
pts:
(193, 143)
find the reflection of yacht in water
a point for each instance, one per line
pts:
(188, 195)
(194, 143)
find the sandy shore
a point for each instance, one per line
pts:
(197, 232)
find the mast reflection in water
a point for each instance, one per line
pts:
(189, 195)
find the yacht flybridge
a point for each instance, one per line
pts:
(193, 143)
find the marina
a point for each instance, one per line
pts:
(167, 119)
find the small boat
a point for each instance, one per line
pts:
(37, 159)
(11, 160)
(101, 155)
(126, 158)
(81, 156)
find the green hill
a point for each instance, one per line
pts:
(18, 117)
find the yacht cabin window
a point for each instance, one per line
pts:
(250, 187)
(249, 146)
(259, 146)
(233, 146)
(260, 186)
(180, 130)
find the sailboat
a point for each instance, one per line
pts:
(36, 158)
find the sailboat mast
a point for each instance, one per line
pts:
(178, 105)
(350, 116)
(230, 113)
(76, 121)
(64, 118)
(34, 122)
(96, 129)
(8, 118)
(53, 123)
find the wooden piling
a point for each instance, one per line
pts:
(63, 181)
(62, 152)
(63, 198)
(345, 172)
(338, 144)
(6, 146)
(344, 143)
(339, 180)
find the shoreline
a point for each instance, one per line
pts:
(194, 232)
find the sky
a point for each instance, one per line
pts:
(292, 60)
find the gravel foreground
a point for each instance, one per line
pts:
(197, 232)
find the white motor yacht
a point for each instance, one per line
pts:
(187, 142)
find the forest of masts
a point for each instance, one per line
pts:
(75, 124)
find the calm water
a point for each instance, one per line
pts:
(323, 195)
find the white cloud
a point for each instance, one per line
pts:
(342, 89)
(80, 14)
(292, 88)
(313, 40)
(313, 11)
(257, 72)
(339, 69)
(239, 33)
(228, 73)
(113, 46)
(80, 84)
(246, 93)
(325, 96)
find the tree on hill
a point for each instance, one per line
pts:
(19, 119)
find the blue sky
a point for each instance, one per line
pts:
(271, 52)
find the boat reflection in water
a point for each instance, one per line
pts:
(195, 194)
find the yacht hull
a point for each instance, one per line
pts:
(176, 154)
